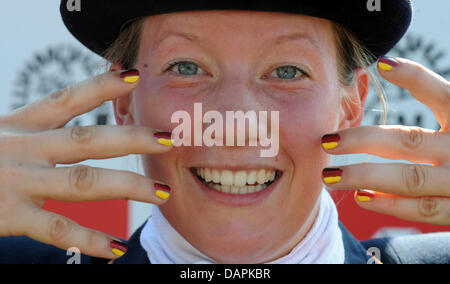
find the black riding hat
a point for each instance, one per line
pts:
(378, 24)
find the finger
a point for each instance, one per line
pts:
(400, 179)
(83, 183)
(425, 85)
(73, 145)
(431, 210)
(58, 231)
(58, 108)
(391, 142)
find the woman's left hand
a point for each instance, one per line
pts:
(414, 192)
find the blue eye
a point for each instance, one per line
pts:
(185, 68)
(288, 72)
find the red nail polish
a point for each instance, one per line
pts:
(389, 60)
(330, 138)
(163, 135)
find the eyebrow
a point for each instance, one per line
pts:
(184, 35)
(298, 36)
(277, 41)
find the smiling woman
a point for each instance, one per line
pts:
(308, 62)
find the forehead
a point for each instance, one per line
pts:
(242, 26)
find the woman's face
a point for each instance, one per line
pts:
(248, 61)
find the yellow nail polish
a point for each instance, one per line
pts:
(364, 198)
(117, 252)
(164, 138)
(163, 195)
(165, 142)
(131, 79)
(331, 180)
(330, 146)
(384, 66)
(387, 63)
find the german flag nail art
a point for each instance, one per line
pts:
(364, 195)
(118, 248)
(162, 191)
(164, 138)
(330, 141)
(332, 175)
(130, 76)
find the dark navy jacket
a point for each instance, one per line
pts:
(418, 249)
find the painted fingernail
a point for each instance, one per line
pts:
(130, 76)
(162, 191)
(387, 63)
(332, 175)
(118, 248)
(364, 195)
(330, 141)
(164, 138)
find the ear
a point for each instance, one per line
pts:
(354, 100)
(122, 105)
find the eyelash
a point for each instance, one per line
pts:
(174, 64)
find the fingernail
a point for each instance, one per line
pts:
(332, 175)
(330, 141)
(130, 76)
(162, 191)
(387, 63)
(164, 138)
(364, 195)
(118, 248)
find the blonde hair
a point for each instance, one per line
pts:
(352, 55)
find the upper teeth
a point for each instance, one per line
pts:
(236, 178)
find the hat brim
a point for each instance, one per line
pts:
(99, 22)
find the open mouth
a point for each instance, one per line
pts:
(237, 182)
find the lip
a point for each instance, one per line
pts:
(235, 200)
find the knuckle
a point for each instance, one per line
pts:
(99, 81)
(428, 207)
(61, 97)
(82, 135)
(81, 178)
(59, 229)
(7, 205)
(414, 178)
(412, 138)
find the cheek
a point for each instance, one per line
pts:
(303, 123)
(155, 102)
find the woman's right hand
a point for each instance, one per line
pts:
(32, 143)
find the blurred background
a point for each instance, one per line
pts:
(40, 56)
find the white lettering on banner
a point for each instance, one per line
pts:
(374, 5)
